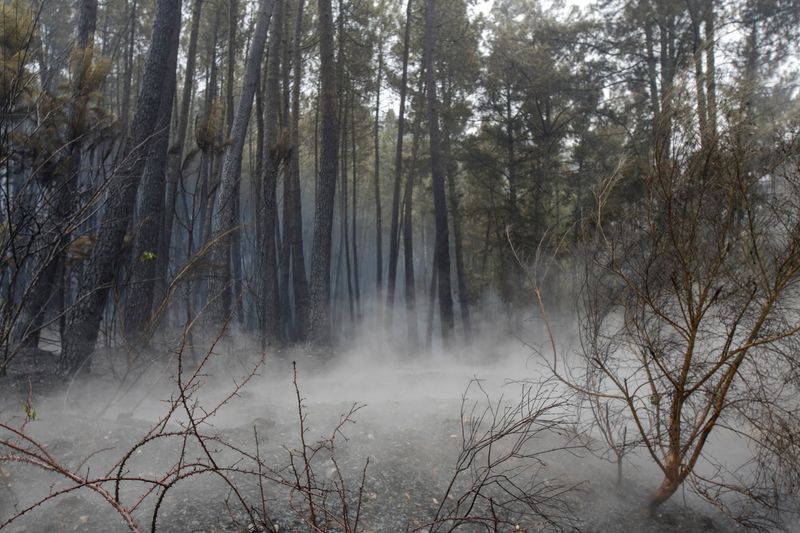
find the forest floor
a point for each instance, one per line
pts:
(410, 429)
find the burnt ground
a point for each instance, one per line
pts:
(410, 430)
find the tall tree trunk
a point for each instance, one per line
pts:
(667, 58)
(408, 243)
(299, 280)
(211, 148)
(272, 162)
(394, 237)
(354, 207)
(47, 279)
(230, 78)
(343, 211)
(377, 176)
(127, 81)
(141, 289)
(651, 73)
(442, 245)
(699, 81)
(223, 221)
(258, 185)
(319, 298)
(432, 303)
(455, 208)
(286, 170)
(177, 151)
(236, 236)
(86, 314)
(711, 69)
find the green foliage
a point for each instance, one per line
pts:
(209, 130)
(655, 399)
(30, 411)
(147, 256)
(17, 25)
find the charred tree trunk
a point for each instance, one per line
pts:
(408, 244)
(299, 280)
(442, 245)
(233, 8)
(652, 76)
(343, 210)
(128, 80)
(711, 69)
(223, 221)
(286, 171)
(46, 282)
(394, 237)
(141, 289)
(236, 236)
(377, 180)
(699, 81)
(176, 155)
(455, 208)
(272, 163)
(85, 316)
(319, 298)
(354, 207)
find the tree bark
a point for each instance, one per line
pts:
(394, 237)
(711, 69)
(177, 151)
(377, 178)
(455, 208)
(284, 284)
(442, 245)
(127, 82)
(44, 286)
(223, 222)
(272, 162)
(354, 207)
(299, 280)
(343, 210)
(319, 323)
(410, 283)
(236, 236)
(699, 81)
(141, 290)
(86, 314)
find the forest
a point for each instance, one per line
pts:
(400, 265)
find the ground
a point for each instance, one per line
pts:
(410, 429)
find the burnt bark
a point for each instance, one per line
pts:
(377, 177)
(46, 282)
(319, 319)
(177, 151)
(141, 289)
(223, 223)
(85, 316)
(272, 162)
(394, 236)
(442, 254)
(299, 280)
(410, 283)
(455, 208)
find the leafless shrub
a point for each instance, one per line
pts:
(689, 305)
(185, 422)
(498, 481)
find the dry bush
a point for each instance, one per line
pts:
(688, 312)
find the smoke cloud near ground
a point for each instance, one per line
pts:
(415, 412)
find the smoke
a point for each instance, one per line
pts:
(413, 411)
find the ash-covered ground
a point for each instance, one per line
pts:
(415, 415)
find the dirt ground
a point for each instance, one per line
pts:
(410, 430)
